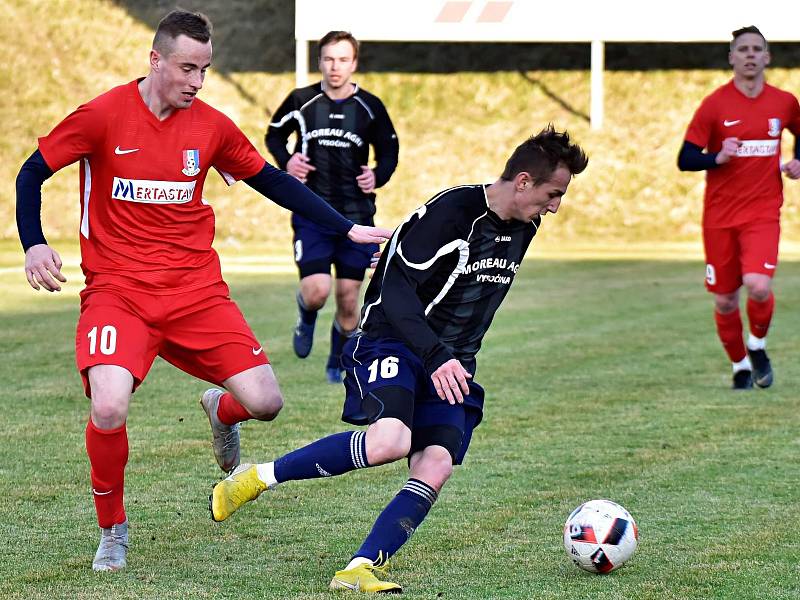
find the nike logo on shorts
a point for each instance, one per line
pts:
(119, 150)
(768, 265)
(257, 351)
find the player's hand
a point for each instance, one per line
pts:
(366, 181)
(363, 234)
(728, 151)
(373, 262)
(792, 169)
(299, 166)
(450, 381)
(43, 267)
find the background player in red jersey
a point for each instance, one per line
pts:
(740, 125)
(153, 281)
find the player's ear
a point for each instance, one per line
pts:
(767, 57)
(155, 58)
(522, 181)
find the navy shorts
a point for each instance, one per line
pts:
(371, 364)
(317, 248)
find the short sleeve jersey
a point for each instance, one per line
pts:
(144, 223)
(749, 187)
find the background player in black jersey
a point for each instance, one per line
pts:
(335, 122)
(436, 289)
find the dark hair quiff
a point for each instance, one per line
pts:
(748, 29)
(196, 26)
(541, 154)
(333, 37)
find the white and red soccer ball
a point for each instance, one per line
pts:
(600, 535)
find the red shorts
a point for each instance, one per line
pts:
(202, 332)
(734, 251)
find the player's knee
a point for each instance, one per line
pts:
(759, 291)
(388, 448)
(724, 303)
(315, 294)
(109, 411)
(439, 471)
(435, 467)
(267, 406)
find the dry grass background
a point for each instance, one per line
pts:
(453, 127)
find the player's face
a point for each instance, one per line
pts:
(180, 73)
(534, 200)
(337, 62)
(749, 56)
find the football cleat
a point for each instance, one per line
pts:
(743, 380)
(361, 578)
(113, 549)
(333, 375)
(762, 368)
(226, 437)
(240, 487)
(303, 338)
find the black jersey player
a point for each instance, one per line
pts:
(409, 372)
(335, 123)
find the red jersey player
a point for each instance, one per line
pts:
(153, 282)
(740, 125)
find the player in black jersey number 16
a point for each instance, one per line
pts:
(410, 372)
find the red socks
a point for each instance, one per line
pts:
(230, 411)
(760, 314)
(729, 329)
(108, 455)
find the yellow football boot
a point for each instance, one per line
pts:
(362, 578)
(237, 489)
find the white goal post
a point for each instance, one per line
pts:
(589, 21)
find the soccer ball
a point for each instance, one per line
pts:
(600, 536)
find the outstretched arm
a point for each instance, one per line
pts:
(286, 191)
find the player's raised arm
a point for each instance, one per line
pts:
(42, 263)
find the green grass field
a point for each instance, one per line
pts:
(604, 379)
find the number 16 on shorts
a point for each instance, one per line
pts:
(386, 368)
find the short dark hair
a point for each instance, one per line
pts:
(543, 153)
(333, 37)
(196, 26)
(748, 29)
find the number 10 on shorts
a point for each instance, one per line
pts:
(108, 340)
(388, 368)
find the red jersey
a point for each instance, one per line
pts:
(144, 224)
(749, 187)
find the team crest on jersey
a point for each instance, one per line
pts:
(191, 162)
(774, 127)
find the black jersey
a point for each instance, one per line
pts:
(336, 136)
(443, 275)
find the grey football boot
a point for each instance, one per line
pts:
(226, 437)
(112, 552)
